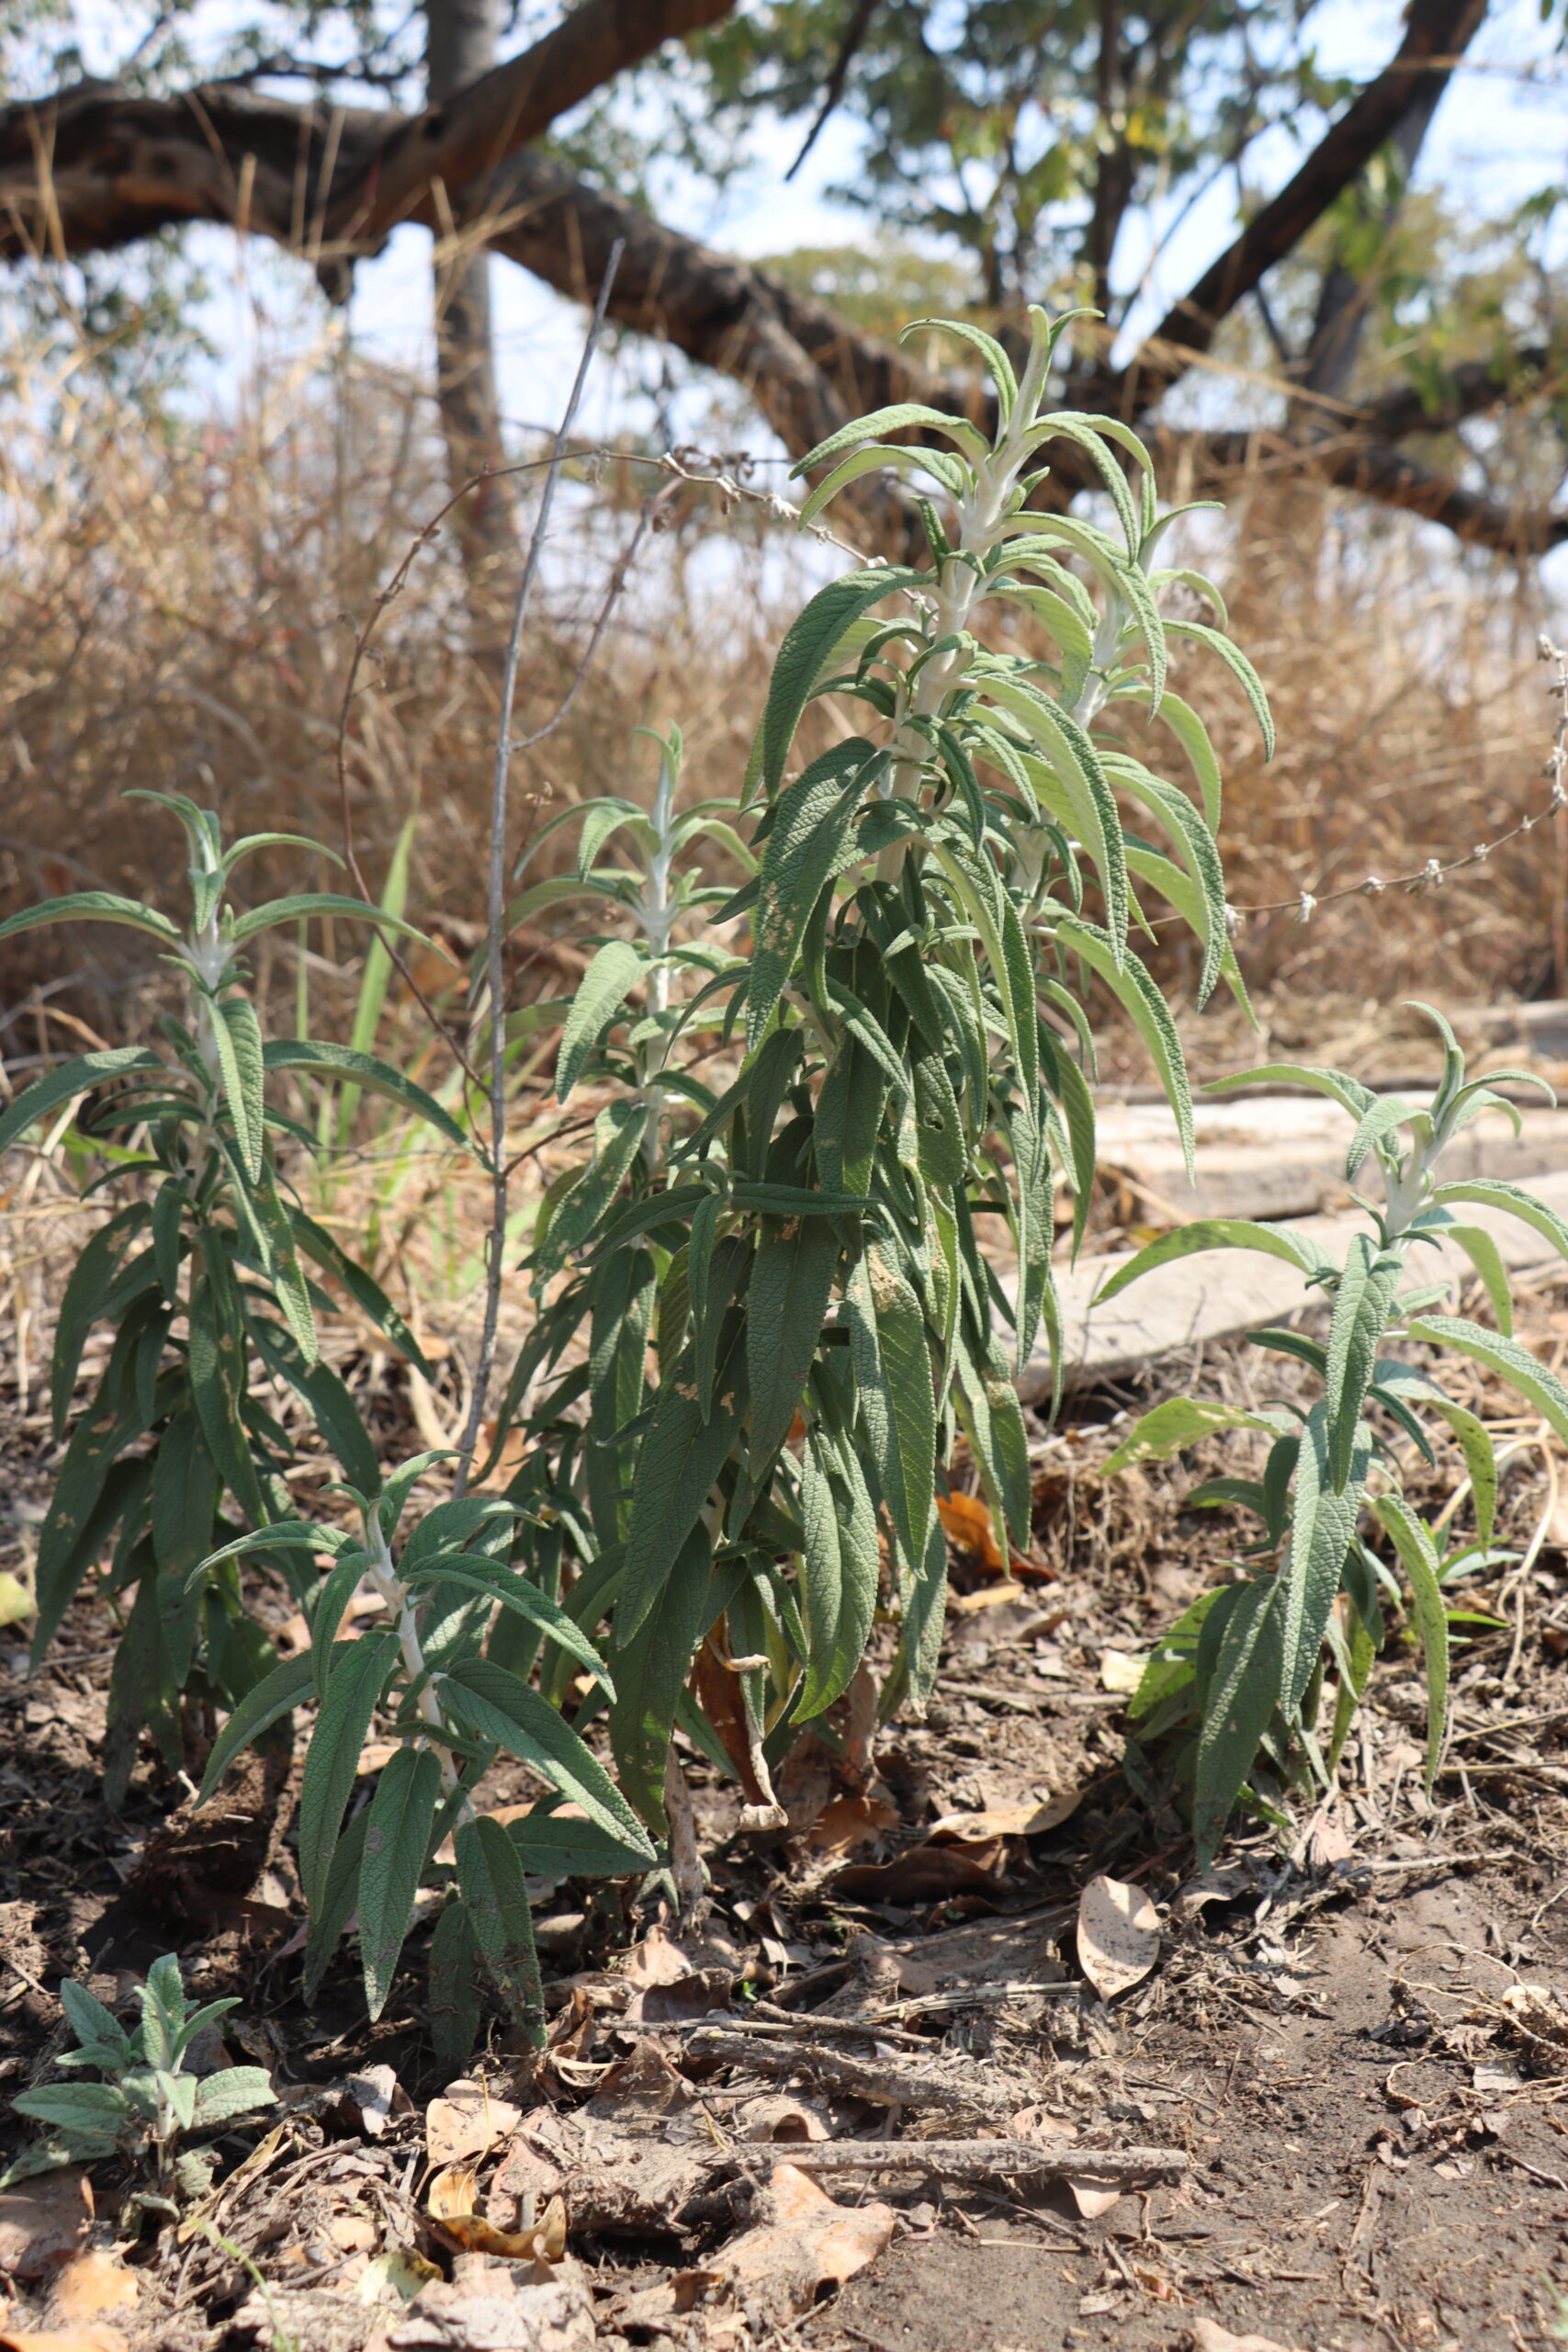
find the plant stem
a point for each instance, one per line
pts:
(390, 1588)
(496, 911)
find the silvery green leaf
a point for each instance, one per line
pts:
(100, 2109)
(616, 969)
(1241, 670)
(1244, 1688)
(1180, 1422)
(233, 2090)
(1512, 1362)
(900, 416)
(999, 366)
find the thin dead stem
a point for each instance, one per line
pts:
(496, 904)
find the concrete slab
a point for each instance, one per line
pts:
(1226, 1290)
(1283, 1156)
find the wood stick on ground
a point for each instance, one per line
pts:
(970, 2159)
(885, 2081)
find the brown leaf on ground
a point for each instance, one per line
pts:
(43, 2222)
(1093, 2198)
(468, 2121)
(967, 1520)
(772, 2115)
(1227, 1884)
(524, 2171)
(804, 2242)
(658, 1960)
(378, 2095)
(1208, 2335)
(851, 1821)
(494, 2315)
(451, 2200)
(1005, 1820)
(93, 2336)
(95, 2282)
(1118, 1935)
(923, 1875)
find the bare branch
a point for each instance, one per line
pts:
(97, 167)
(464, 139)
(838, 75)
(495, 924)
(1505, 379)
(1390, 478)
(1436, 32)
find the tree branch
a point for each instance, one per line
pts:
(1390, 478)
(1436, 31)
(98, 167)
(464, 139)
(1472, 388)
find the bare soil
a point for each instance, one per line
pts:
(1356, 2037)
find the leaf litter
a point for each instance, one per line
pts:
(853, 2109)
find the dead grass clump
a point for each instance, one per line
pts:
(1412, 721)
(178, 608)
(178, 605)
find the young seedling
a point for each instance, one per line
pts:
(147, 2105)
(1238, 1681)
(201, 1276)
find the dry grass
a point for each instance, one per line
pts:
(178, 605)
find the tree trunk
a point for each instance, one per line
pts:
(1343, 300)
(460, 45)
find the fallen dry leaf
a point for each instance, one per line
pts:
(967, 1519)
(923, 1875)
(1226, 1884)
(43, 2222)
(1208, 2335)
(94, 2282)
(988, 1596)
(468, 2121)
(95, 2335)
(804, 2243)
(851, 1821)
(1118, 1935)
(656, 1960)
(377, 2095)
(253, 2166)
(1005, 1820)
(1121, 1671)
(1092, 2199)
(774, 2115)
(451, 2200)
(395, 2277)
(353, 2232)
(494, 2315)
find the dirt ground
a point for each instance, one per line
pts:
(1346, 2065)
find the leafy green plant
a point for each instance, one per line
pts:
(147, 2104)
(798, 1240)
(446, 1669)
(203, 1278)
(1237, 1685)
